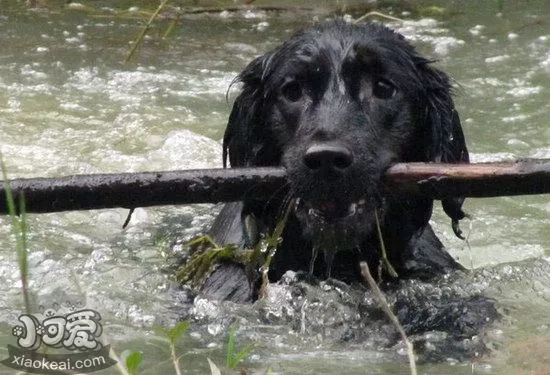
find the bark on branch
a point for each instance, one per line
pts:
(130, 190)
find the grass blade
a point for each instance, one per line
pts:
(19, 230)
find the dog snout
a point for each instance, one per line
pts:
(328, 156)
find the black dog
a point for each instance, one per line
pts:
(337, 105)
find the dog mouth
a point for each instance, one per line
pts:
(332, 211)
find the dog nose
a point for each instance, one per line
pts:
(328, 156)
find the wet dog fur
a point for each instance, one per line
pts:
(336, 105)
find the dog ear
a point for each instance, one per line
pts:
(456, 153)
(447, 143)
(246, 138)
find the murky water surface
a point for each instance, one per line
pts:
(68, 105)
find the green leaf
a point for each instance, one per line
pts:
(132, 361)
(230, 348)
(176, 332)
(242, 355)
(233, 359)
(19, 230)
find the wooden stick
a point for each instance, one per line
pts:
(130, 190)
(482, 180)
(384, 305)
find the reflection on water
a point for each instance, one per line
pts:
(69, 105)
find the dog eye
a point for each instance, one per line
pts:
(383, 89)
(292, 91)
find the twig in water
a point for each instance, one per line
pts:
(128, 218)
(365, 272)
(377, 14)
(467, 241)
(144, 30)
(387, 264)
(271, 244)
(172, 26)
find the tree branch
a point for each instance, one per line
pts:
(130, 190)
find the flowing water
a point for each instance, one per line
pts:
(69, 105)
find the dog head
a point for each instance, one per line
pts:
(337, 105)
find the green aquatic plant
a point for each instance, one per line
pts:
(204, 255)
(19, 231)
(132, 360)
(234, 357)
(174, 334)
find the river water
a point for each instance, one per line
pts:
(70, 105)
